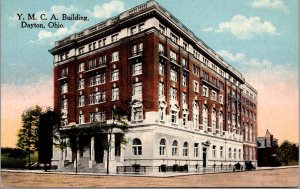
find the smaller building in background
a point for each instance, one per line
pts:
(267, 150)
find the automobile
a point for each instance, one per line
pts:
(249, 166)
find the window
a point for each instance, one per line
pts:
(92, 117)
(114, 38)
(174, 38)
(137, 89)
(102, 60)
(64, 104)
(136, 147)
(81, 50)
(229, 153)
(214, 151)
(100, 97)
(174, 116)
(184, 119)
(195, 120)
(141, 27)
(240, 152)
(137, 69)
(115, 94)
(184, 63)
(81, 67)
(184, 46)
(196, 86)
(92, 98)
(234, 154)
(204, 117)
(185, 149)
(137, 114)
(162, 29)
(161, 48)
(115, 75)
(133, 30)
(100, 79)
(115, 56)
(173, 93)
(161, 112)
(204, 91)
(212, 128)
(221, 151)
(161, 69)
(221, 99)
(161, 89)
(81, 84)
(196, 70)
(162, 147)
(137, 49)
(173, 56)
(173, 75)
(81, 118)
(184, 80)
(64, 88)
(213, 95)
(196, 149)
(220, 125)
(100, 116)
(184, 98)
(175, 148)
(81, 101)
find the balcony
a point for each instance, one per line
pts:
(96, 67)
(207, 82)
(174, 62)
(136, 54)
(63, 76)
(162, 54)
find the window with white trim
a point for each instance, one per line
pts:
(162, 147)
(174, 38)
(114, 94)
(100, 97)
(240, 153)
(184, 119)
(214, 151)
(173, 93)
(136, 147)
(204, 117)
(213, 95)
(114, 38)
(212, 127)
(196, 86)
(115, 75)
(162, 29)
(137, 113)
(185, 149)
(100, 116)
(137, 89)
(174, 115)
(161, 48)
(173, 75)
(229, 153)
(161, 89)
(204, 91)
(81, 84)
(81, 101)
(81, 118)
(64, 88)
(221, 151)
(196, 149)
(184, 80)
(161, 69)
(184, 98)
(115, 56)
(81, 67)
(64, 104)
(234, 154)
(221, 99)
(137, 69)
(173, 56)
(175, 148)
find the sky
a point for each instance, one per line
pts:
(257, 37)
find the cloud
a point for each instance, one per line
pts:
(108, 9)
(244, 28)
(15, 99)
(231, 57)
(269, 4)
(63, 9)
(48, 37)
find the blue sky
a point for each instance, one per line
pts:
(258, 37)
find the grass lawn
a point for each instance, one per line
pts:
(8, 161)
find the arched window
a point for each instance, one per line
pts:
(162, 147)
(204, 117)
(229, 153)
(175, 148)
(240, 153)
(234, 154)
(137, 147)
(185, 149)
(213, 121)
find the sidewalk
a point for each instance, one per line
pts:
(159, 174)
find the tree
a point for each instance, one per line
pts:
(288, 152)
(28, 134)
(49, 122)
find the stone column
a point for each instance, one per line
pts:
(92, 157)
(112, 147)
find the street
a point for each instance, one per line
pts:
(287, 177)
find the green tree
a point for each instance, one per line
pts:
(28, 134)
(288, 152)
